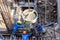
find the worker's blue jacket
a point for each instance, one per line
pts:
(25, 36)
(16, 26)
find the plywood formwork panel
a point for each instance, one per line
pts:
(2, 24)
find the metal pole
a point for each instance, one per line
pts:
(45, 11)
(58, 10)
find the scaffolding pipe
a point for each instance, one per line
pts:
(58, 10)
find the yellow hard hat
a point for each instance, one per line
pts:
(19, 22)
(24, 32)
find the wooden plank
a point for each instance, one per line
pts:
(6, 16)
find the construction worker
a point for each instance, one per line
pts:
(19, 24)
(25, 35)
